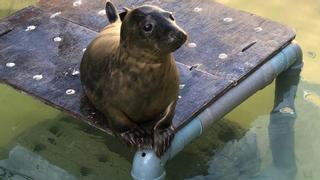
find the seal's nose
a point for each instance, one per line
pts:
(176, 39)
(183, 36)
(180, 36)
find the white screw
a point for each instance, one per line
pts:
(84, 49)
(192, 45)
(70, 91)
(197, 9)
(179, 97)
(102, 12)
(75, 72)
(258, 29)
(57, 39)
(30, 28)
(227, 19)
(223, 56)
(181, 86)
(55, 14)
(10, 65)
(77, 3)
(37, 77)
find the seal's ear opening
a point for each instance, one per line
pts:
(124, 13)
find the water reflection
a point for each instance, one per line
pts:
(281, 127)
(241, 159)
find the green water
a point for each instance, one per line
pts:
(89, 154)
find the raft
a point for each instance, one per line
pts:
(230, 55)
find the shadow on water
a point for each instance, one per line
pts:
(214, 146)
(86, 153)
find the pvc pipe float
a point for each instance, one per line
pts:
(281, 125)
(147, 166)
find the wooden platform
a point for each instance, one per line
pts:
(41, 48)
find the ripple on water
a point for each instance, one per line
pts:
(312, 54)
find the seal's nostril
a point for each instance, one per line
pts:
(177, 35)
(172, 36)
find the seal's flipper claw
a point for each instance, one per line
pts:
(162, 140)
(134, 137)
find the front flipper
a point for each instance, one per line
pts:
(162, 140)
(126, 130)
(135, 137)
(163, 131)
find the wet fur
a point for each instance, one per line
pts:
(135, 87)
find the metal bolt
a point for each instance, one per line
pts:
(55, 14)
(57, 39)
(223, 56)
(10, 64)
(75, 72)
(30, 28)
(258, 29)
(227, 19)
(37, 77)
(77, 3)
(197, 9)
(70, 91)
(192, 45)
(102, 12)
(181, 86)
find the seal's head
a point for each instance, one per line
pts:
(150, 28)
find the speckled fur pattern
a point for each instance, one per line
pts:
(129, 74)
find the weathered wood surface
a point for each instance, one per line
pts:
(243, 41)
(214, 28)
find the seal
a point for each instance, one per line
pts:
(129, 74)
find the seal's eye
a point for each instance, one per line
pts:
(148, 27)
(171, 17)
